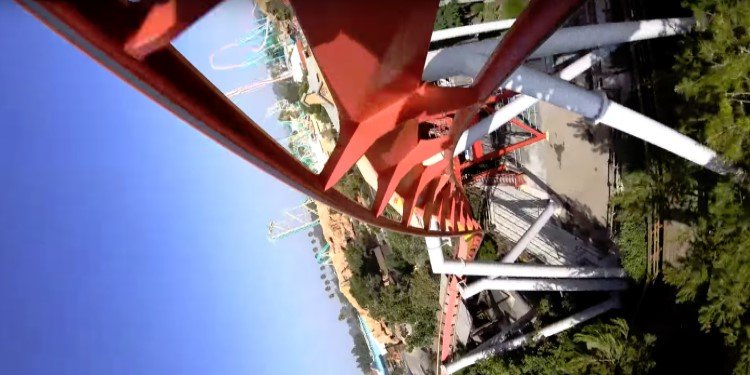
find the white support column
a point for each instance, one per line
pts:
(521, 102)
(628, 121)
(495, 269)
(547, 331)
(470, 30)
(530, 233)
(468, 59)
(543, 285)
(599, 108)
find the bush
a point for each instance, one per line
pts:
(487, 250)
(631, 240)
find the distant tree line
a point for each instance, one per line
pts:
(412, 296)
(713, 84)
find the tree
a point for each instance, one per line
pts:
(610, 349)
(487, 250)
(411, 249)
(598, 349)
(715, 67)
(716, 271)
(715, 274)
(288, 90)
(361, 353)
(279, 9)
(352, 184)
(448, 15)
(634, 204)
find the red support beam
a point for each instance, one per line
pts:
(164, 22)
(477, 150)
(100, 29)
(536, 136)
(372, 63)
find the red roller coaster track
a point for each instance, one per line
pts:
(371, 54)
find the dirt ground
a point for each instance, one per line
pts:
(572, 165)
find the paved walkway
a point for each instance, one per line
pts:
(574, 165)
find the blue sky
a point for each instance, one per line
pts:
(132, 244)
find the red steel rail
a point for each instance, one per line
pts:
(371, 55)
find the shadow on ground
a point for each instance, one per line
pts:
(599, 136)
(580, 221)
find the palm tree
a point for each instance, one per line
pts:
(610, 349)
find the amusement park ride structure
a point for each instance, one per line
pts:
(376, 62)
(375, 76)
(293, 220)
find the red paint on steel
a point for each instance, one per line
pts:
(101, 28)
(477, 150)
(537, 22)
(371, 55)
(164, 22)
(450, 310)
(429, 176)
(536, 136)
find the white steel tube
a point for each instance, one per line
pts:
(530, 233)
(520, 103)
(628, 121)
(495, 269)
(468, 59)
(547, 331)
(470, 30)
(598, 108)
(513, 254)
(551, 285)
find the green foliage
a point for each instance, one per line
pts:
(409, 248)
(279, 9)
(477, 200)
(716, 271)
(635, 200)
(600, 348)
(352, 185)
(454, 14)
(319, 112)
(633, 204)
(362, 353)
(631, 240)
(610, 349)
(715, 67)
(288, 90)
(413, 302)
(411, 299)
(448, 16)
(512, 8)
(303, 87)
(715, 274)
(487, 250)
